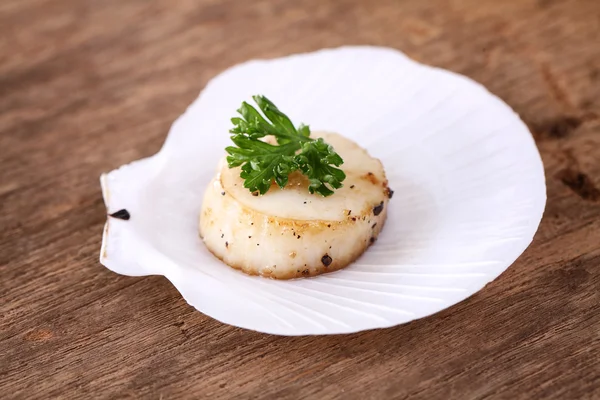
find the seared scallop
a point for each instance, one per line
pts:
(290, 233)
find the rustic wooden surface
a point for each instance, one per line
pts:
(86, 86)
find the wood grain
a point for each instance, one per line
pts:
(86, 86)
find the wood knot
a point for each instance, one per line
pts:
(572, 278)
(580, 184)
(556, 128)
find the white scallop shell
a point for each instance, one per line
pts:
(469, 193)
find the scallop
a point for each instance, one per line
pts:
(290, 233)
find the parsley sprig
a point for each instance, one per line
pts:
(262, 163)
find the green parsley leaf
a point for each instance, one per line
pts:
(262, 163)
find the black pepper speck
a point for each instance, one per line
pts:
(352, 187)
(378, 209)
(326, 260)
(374, 225)
(390, 193)
(372, 240)
(226, 244)
(222, 193)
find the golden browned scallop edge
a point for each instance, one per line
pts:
(335, 265)
(301, 226)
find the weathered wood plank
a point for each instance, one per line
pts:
(86, 86)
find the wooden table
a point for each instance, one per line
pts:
(86, 86)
